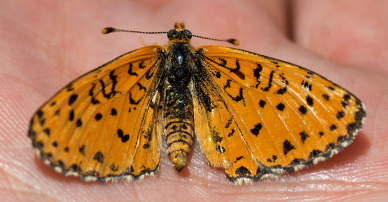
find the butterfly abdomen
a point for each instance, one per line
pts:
(179, 129)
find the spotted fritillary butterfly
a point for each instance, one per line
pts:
(254, 116)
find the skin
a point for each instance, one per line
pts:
(46, 44)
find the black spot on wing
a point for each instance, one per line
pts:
(256, 130)
(238, 158)
(347, 97)
(40, 114)
(333, 127)
(227, 125)
(70, 87)
(141, 65)
(237, 67)
(113, 167)
(113, 92)
(272, 159)
(262, 103)
(216, 138)
(282, 91)
(71, 115)
(55, 144)
(113, 112)
(340, 114)
(82, 149)
(231, 133)
(91, 94)
(284, 80)
(79, 123)
(256, 74)
(239, 97)
(269, 82)
(75, 168)
(303, 136)
(99, 156)
(280, 106)
(220, 149)
(98, 116)
(287, 147)
(243, 171)
(315, 153)
(147, 146)
(222, 62)
(124, 138)
(302, 109)
(228, 84)
(149, 75)
(72, 99)
(47, 131)
(136, 102)
(326, 97)
(307, 85)
(236, 70)
(130, 70)
(345, 104)
(310, 100)
(218, 74)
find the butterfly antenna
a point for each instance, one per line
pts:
(232, 41)
(108, 30)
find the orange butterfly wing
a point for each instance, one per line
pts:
(268, 116)
(102, 125)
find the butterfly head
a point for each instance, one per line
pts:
(179, 34)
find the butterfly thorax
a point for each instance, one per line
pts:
(180, 64)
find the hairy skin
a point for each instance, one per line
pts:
(46, 44)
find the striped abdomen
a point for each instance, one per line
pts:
(179, 129)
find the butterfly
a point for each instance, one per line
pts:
(254, 116)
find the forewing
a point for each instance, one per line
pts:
(264, 116)
(101, 126)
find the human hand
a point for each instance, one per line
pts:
(47, 45)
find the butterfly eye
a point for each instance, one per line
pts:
(172, 34)
(187, 34)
